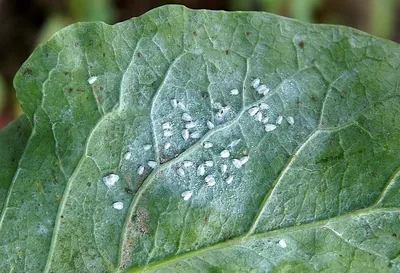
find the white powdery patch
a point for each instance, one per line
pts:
(290, 120)
(180, 172)
(118, 205)
(234, 143)
(255, 83)
(140, 170)
(229, 179)
(147, 147)
(92, 79)
(152, 164)
(186, 117)
(186, 195)
(207, 145)
(225, 154)
(234, 92)
(279, 120)
(210, 125)
(252, 111)
(210, 180)
(269, 127)
(282, 243)
(128, 155)
(110, 179)
(201, 170)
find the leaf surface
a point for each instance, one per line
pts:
(316, 195)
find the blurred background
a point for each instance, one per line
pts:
(26, 23)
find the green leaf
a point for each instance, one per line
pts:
(319, 195)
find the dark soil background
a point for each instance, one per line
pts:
(25, 23)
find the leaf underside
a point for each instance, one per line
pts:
(320, 194)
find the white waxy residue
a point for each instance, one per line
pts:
(118, 205)
(140, 170)
(210, 125)
(236, 163)
(210, 180)
(195, 135)
(279, 120)
(186, 117)
(185, 134)
(147, 147)
(282, 243)
(255, 83)
(225, 154)
(167, 126)
(229, 179)
(201, 170)
(128, 155)
(264, 106)
(180, 172)
(224, 168)
(190, 125)
(174, 103)
(207, 144)
(234, 143)
(110, 180)
(152, 164)
(269, 127)
(92, 79)
(186, 195)
(187, 163)
(168, 133)
(252, 111)
(290, 120)
(234, 92)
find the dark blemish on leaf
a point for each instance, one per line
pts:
(66, 129)
(76, 44)
(13, 159)
(194, 33)
(80, 90)
(104, 54)
(67, 74)
(88, 184)
(227, 52)
(128, 191)
(91, 42)
(28, 71)
(139, 54)
(70, 90)
(343, 95)
(373, 174)
(206, 220)
(142, 221)
(301, 44)
(248, 33)
(100, 99)
(395, 235)
(299, 102)
(314, 98)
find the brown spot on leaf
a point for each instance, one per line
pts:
(343, 95)
(248, 33)
(81, 90)
(314, 98)
(373, 174)
(301, 44)
(139, 54)
(28, 71)
(194, 33)
(227, 52)
(395, 235)
(76, 44)
(142, 221)
(100, 99)
(206, 220)
(128, 191)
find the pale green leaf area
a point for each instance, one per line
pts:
(320, 195)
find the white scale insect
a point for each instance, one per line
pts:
(264, 106)
(181, 105)
(255, 83)
(290, 120)
(174, 103)
(195, 135)
(234, 143)
(186, 195)
(127, 155)
(207, 145)
(210, 180)
(190, 125)
(224, 168)
(152, 164)
(185, 134)
(147, 147)
(180, 172)
(263, 90)
(229, 179)
(269, 127)
(234, 92)
(140, 170)
(186, 117)
(282, 243)
(252, 111)
(265, 120)
(209, 163)
(92, 79)
(187, 164)
(167, 145)
(167, 126)
(110, 180)
(201, 170)
(279, 120)
(210, 125)
(259, 116)
(118, 205)
(168, 133)
(225, 154)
